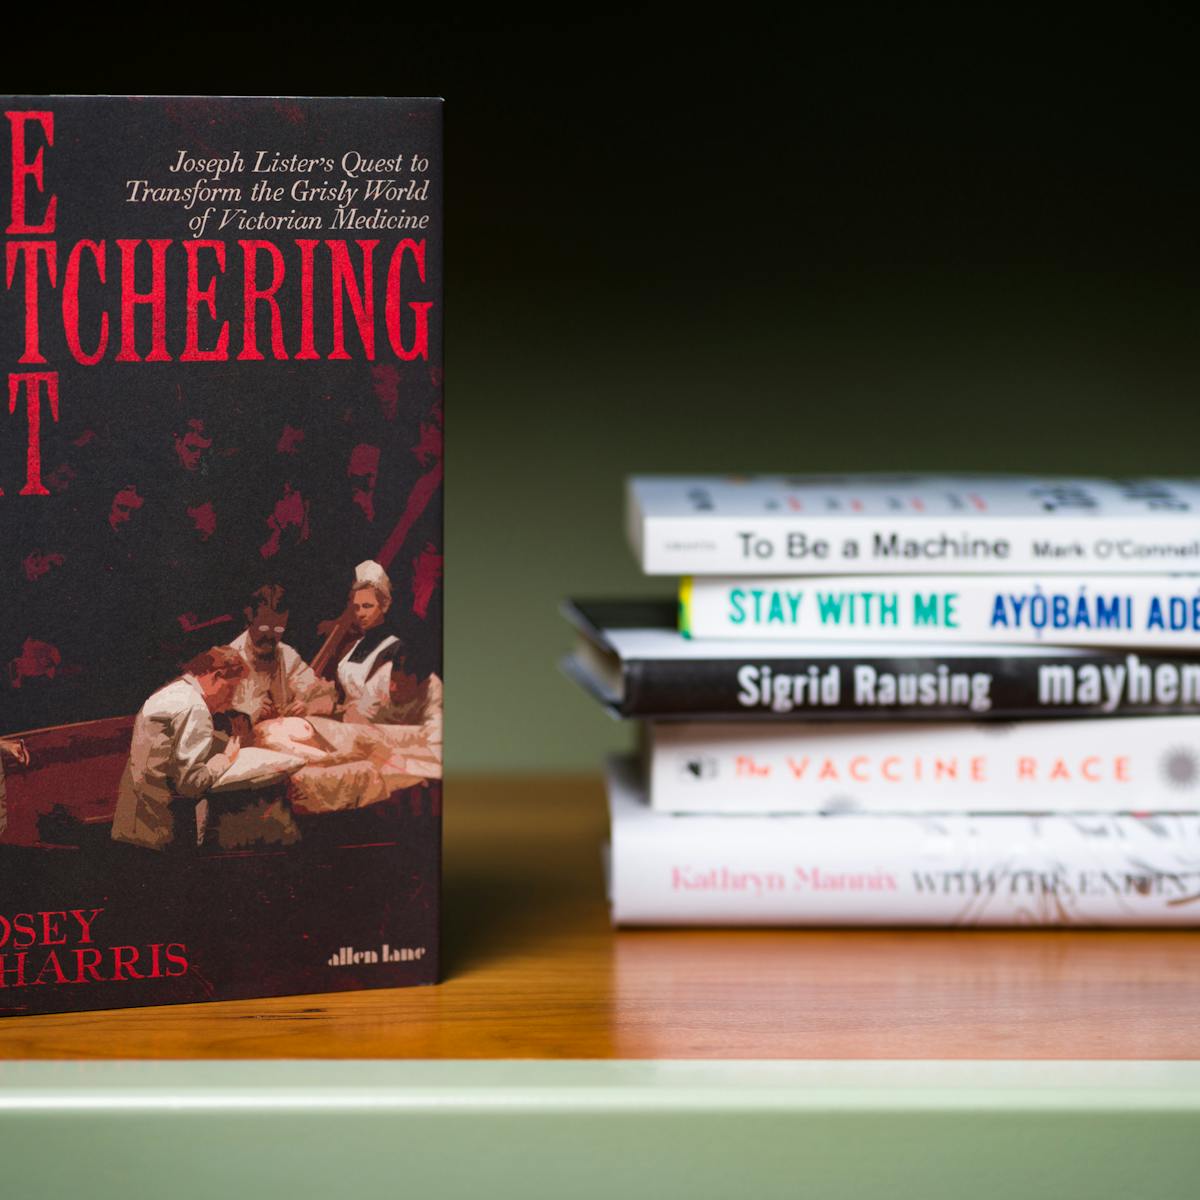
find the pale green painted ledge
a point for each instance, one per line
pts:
(825, 1130)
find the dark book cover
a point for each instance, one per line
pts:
(221, 529)
(631, 657)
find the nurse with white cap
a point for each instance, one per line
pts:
(365, 673)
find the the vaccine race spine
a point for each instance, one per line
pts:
(1097, 610)
(912, 525)
(954, 871)
(1085, 766)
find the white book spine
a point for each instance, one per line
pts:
(1092, 765)
(1079, 610)
(901, 870)
(913, 525)
(787, 545)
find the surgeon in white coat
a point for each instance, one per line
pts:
(174, 758)
(278, 683)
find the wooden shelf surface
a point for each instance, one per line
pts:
(533, 970)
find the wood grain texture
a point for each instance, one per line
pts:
(534, 971)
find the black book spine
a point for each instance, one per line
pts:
(930, 687)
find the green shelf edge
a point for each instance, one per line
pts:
(600, 1128)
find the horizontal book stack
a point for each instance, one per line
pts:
(906, 700)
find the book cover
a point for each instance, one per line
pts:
(1071, 610)
(911, 524)
(630, 656)
(1090, 766)
(221, 527)
(954, 870)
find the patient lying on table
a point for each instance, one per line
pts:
(351, 765)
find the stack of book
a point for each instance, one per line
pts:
(906, 700)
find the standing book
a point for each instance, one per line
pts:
(220, 714)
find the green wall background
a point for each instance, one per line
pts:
(884, 242)
(982, 371)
